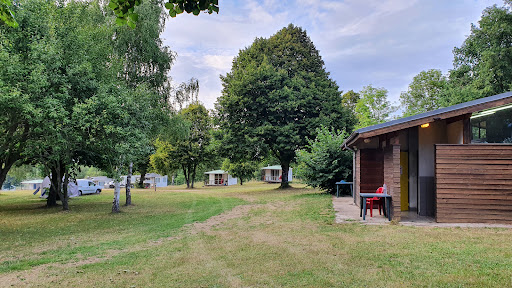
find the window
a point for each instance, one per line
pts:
(492, 126)
(218, 179)
(479, 132)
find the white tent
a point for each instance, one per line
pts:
(72, 188)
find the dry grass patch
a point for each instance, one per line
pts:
(282, 238)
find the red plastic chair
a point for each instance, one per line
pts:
(377, 200)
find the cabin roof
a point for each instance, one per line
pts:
(431, 116)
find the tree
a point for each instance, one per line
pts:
(126, 14)
(350, 99)
(146, 61)
(114, 120)
(241, 170)
(278, 92)
(373, 107)
(424, 93)
(52, 67)
(189, 151)
(483, 63)
(6, 13)
(322, 163)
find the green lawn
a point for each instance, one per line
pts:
(240, 236)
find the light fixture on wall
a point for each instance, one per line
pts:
(426, 125)
(367, 140)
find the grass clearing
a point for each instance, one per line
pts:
(251, 235)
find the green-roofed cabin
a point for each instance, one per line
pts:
(453, 164)
(273, 174)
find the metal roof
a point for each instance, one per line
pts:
(216, 172)
(37, 181)
(427, 115)
(275, 167)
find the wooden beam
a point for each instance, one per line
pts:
(466, 129)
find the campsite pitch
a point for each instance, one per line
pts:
(239, 236)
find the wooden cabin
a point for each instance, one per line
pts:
(219, 178)
(453, 164)
(273, 174)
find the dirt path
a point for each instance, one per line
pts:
(43, 275)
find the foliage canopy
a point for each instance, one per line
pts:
(277, 93)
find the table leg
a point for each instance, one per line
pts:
(351, 190)
(388, 200)
(364, 209)
(384, 202)
(360, 206)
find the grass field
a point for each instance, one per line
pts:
(240, 236)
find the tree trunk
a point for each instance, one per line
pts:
(129, 186)
(285, 165)
(65, 196)
(51, 200)
(117, 192)
(55, 186)
(241, 181)
(4, 171)
(193, 175)
(142, 178)
(186, 176)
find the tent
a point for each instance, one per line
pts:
(72, 188)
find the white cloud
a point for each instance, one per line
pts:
(378, 42)
(218, 62)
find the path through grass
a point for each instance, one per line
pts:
(250, 236)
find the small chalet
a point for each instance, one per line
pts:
(273, 174)
(219, 178)
(31, 184)
(453, 164)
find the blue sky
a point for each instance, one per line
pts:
(384, 43)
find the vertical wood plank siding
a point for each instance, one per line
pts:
(474, 183)
(370, 171)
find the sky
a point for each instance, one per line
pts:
(383, 43)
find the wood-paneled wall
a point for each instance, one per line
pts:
(474, 183)
(372, 170)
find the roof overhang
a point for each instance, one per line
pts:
(466, 108)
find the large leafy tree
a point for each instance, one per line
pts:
(424, 93)
(125, 10)
(278, 92)
(81, 113)
(188, 150)
(56, 67)
(373, 107)
(322, 163)
(146, 61)
(483, 63)
(115, 121)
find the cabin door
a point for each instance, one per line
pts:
(404, 181)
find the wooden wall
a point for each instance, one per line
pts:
(371, 170)
(474, 183)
